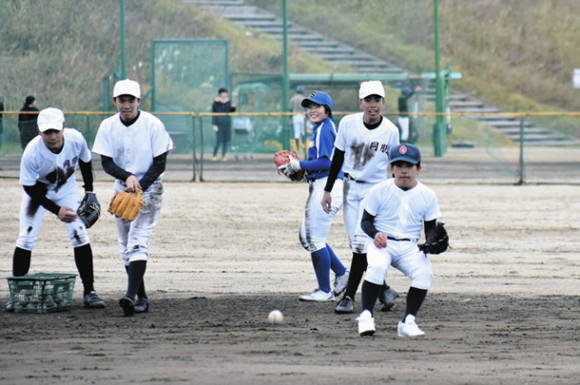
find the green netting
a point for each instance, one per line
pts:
(186, 75)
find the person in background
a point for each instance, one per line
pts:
(27, 122)
(404, 122)
(222, 124)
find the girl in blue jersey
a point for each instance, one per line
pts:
(316, 222)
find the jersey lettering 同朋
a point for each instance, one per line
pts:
(39, 164)
(366, 151)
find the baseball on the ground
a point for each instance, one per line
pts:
(275, 317)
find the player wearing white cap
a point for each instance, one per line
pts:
(47, 173)
(316, 223)
(362, 151)
(133, 145)
(393, 215)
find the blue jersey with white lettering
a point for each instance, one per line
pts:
(321, 146)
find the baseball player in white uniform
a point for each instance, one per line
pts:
(362, 150)
(316, 222)
(47, 173)
(133, 145)
(393, 215)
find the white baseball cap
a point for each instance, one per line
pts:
(50, 119)
(373, 87)
(127, 87)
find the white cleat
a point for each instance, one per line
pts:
(317, 296)
(340, 283)
(366, 324)
(409, 328)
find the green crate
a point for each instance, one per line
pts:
(42, 293)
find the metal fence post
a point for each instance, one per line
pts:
(193, 145)
(201, 150)
(521, 180)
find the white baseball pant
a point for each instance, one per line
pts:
(135, 236)
(405, 256)
(316, 222)
(30, 221)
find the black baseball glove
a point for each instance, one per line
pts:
(89, 210)
(438, 242)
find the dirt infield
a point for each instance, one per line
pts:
(503, 307)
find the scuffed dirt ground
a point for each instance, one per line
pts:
(503, 307)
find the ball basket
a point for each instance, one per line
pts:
(42, 293)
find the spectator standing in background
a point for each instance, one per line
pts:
(222, 124)
(27, 128)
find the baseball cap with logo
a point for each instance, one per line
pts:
(373, 87)
(318, 97)
(50, 119)
(405, 152)
(127, 87)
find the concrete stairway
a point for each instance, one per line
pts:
(339, 53)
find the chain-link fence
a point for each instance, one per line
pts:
(478, 150)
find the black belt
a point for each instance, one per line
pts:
(399, 239)
(347, 176)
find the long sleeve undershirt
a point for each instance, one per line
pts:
(368, 226)
(156, 169)
(38, 195)
(335, 167)
(87, 173)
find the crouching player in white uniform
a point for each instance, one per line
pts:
(133, 145)
(316, 222)
(394, 214)
(47, 173)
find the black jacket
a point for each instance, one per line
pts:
(219, 107)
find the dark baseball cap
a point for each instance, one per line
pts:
(318, 97)
(405, 152)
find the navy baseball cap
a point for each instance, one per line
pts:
(318, 97)
(405, 152)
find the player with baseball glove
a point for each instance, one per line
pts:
(133, 145)
(126, 205)
(361, 151)
(395, 212)
(316, 223)
(288, 164)
(47, 174)
(90, 209)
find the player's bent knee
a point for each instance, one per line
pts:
(422, 281)
(138, 257)
(26, 242)
(376, 274)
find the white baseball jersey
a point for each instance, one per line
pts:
(133, 148)
(366, 157)
(55, 170)
(400, 213)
